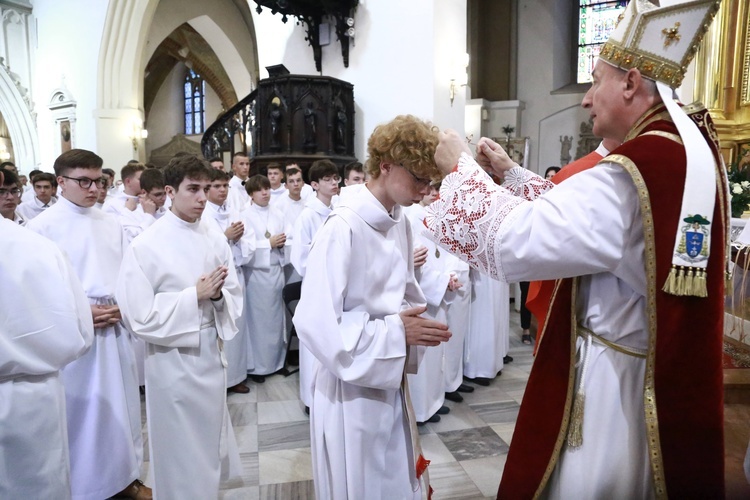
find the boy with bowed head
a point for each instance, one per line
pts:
(360, 316)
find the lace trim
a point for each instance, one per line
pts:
(526, 184)
(467, 216)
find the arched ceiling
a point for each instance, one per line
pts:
(186, 45)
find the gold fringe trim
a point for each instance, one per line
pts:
(575, 431)
(686, 281)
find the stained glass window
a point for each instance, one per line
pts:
(195, 102)
(596, 19)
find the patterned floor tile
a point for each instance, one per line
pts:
(497, 413)
(468, 444)
(485, 473)
(284, 436)
(285, 466)
(299, 490)
(451, 481)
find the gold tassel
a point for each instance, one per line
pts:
(701, 289)
(690, 281)
(681, 281)
(670, 286)
(575, 429)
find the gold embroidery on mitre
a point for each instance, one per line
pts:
(671, 35)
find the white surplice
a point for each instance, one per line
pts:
(133, 222)
(45, 323)
(101, 387)
(488, 337)
(307, 224)
(458, 317)
(291, 210)
(588, 226)
(243, 249)
(359, 277)
(191, 441)
(426, 386)
(264, 280)
(30, 209)
(237, 197)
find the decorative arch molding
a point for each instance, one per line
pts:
(21, 124)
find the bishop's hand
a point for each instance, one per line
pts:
(449, 150)
(492, 155)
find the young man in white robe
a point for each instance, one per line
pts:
(264, 280)
(46, 324)
(101, 387)
(439, 283)
(10, 197)
(133, 209)
(275, 174)
(290, 204)
(43, 185)
(360, 317)
(241, 239)
(238, 197)
(307, 189)
(179, 292)
(152, 188)
(324, 178)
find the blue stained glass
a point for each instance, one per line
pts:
(189, 123)
(198, 121)
(187, 90)
(188, 105)
(197, 103)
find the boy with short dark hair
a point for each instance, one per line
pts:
(10, 197)
(264, 280)
(152, 186)
(179, 292)
(101, 387)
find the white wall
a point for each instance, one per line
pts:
(166, 117)
(69, 35)
(399, 49)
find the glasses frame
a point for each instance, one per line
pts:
(421, 183)
(100, 182)
(9, 192)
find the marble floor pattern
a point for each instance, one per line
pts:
(467, 447)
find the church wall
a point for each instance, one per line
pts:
(395, 62)
(546, 116)
(67, 54)
(166, 118)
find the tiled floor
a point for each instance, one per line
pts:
(467, 447)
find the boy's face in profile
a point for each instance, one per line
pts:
(218, 192)
(261, 198)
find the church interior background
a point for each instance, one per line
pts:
(143, 79)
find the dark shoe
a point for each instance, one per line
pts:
(526, 339)
(142, 389)
(239, 389)
(507, 359)
(258, 379)
(432, 420)
(307, 410)
(483, 381)
(454, 396)
(444, 410)
(465, 388)
(137, 491)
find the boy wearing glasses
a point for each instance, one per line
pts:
(101, 387)
(359, 315)
(10, 197)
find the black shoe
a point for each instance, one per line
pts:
(465, 388)
(444, 410)
(483, 381)
(507, 359)
(258, 379)
(307, 410)
(454, 396)
(432, 420)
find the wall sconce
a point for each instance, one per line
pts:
(137, 134)
(462, 78)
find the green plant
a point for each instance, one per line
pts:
(739, 190)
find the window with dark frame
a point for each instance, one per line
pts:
(195, 103)
(596, 20)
